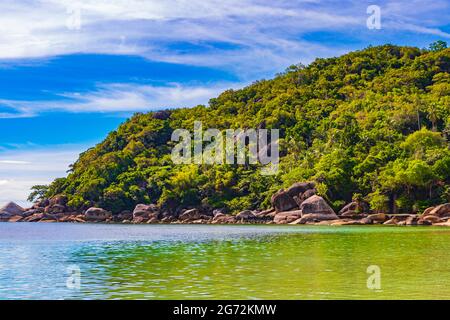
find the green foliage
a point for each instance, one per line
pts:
(378, 201)
(438, 45)
(375, 123)
(420, 142)
(38, 192)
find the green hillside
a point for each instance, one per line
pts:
(373, 123)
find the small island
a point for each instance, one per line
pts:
(225, 159)
(364, 139)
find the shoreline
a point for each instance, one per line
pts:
(290, 218)
(299, 204)
(232, 224)
(229, 256)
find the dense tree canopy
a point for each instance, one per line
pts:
(373, 123)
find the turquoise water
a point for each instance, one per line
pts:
(222, 262)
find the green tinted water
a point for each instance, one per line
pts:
(223, 262)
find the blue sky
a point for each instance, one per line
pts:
(71, 71)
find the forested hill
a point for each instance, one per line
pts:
(373, 123)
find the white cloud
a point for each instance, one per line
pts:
(119, 97)
(41, 165)
(420, 29)
(38, 29)
(13, 162)
(125, 97)
(265, 37)
(267, 34)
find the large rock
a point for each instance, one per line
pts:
(305, 195)
(287, 217)
(12, 209)
(55, 208)
(441, 211)
(412, 220)
(41, 204)
(424, 223)
(217, 212)
(59, 199)
(47, 217)
(67, 217)
(153, 220)
(312, 210)
(32, 211)
(5, 216)
(285, 200)
(245, 216)
(34, 218)
(444, 224)
(139, 219)
(348, 207)
(427, 211)
(317, 205)
(431, 219)
(316, 217)
(221, 218)
(297, 189)
(79, 218)
(391, 221)
(378, 217)
(282, 201)
(146, 211)
(266, 214)
(366, 220)
(193, 214)
(168, 219)
(354, 208)
(353, 215)
(97, 214)
(346, 222)
(15, 218)
(123, 215)
(342, 222)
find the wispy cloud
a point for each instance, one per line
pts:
(147, 28)
(253, 38)
(23, 166)
(118, 97)
(259, 31)
(13, 162)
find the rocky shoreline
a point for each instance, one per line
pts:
(298, 204)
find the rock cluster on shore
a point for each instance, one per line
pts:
(298, 204)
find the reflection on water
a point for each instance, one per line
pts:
(222, 262)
